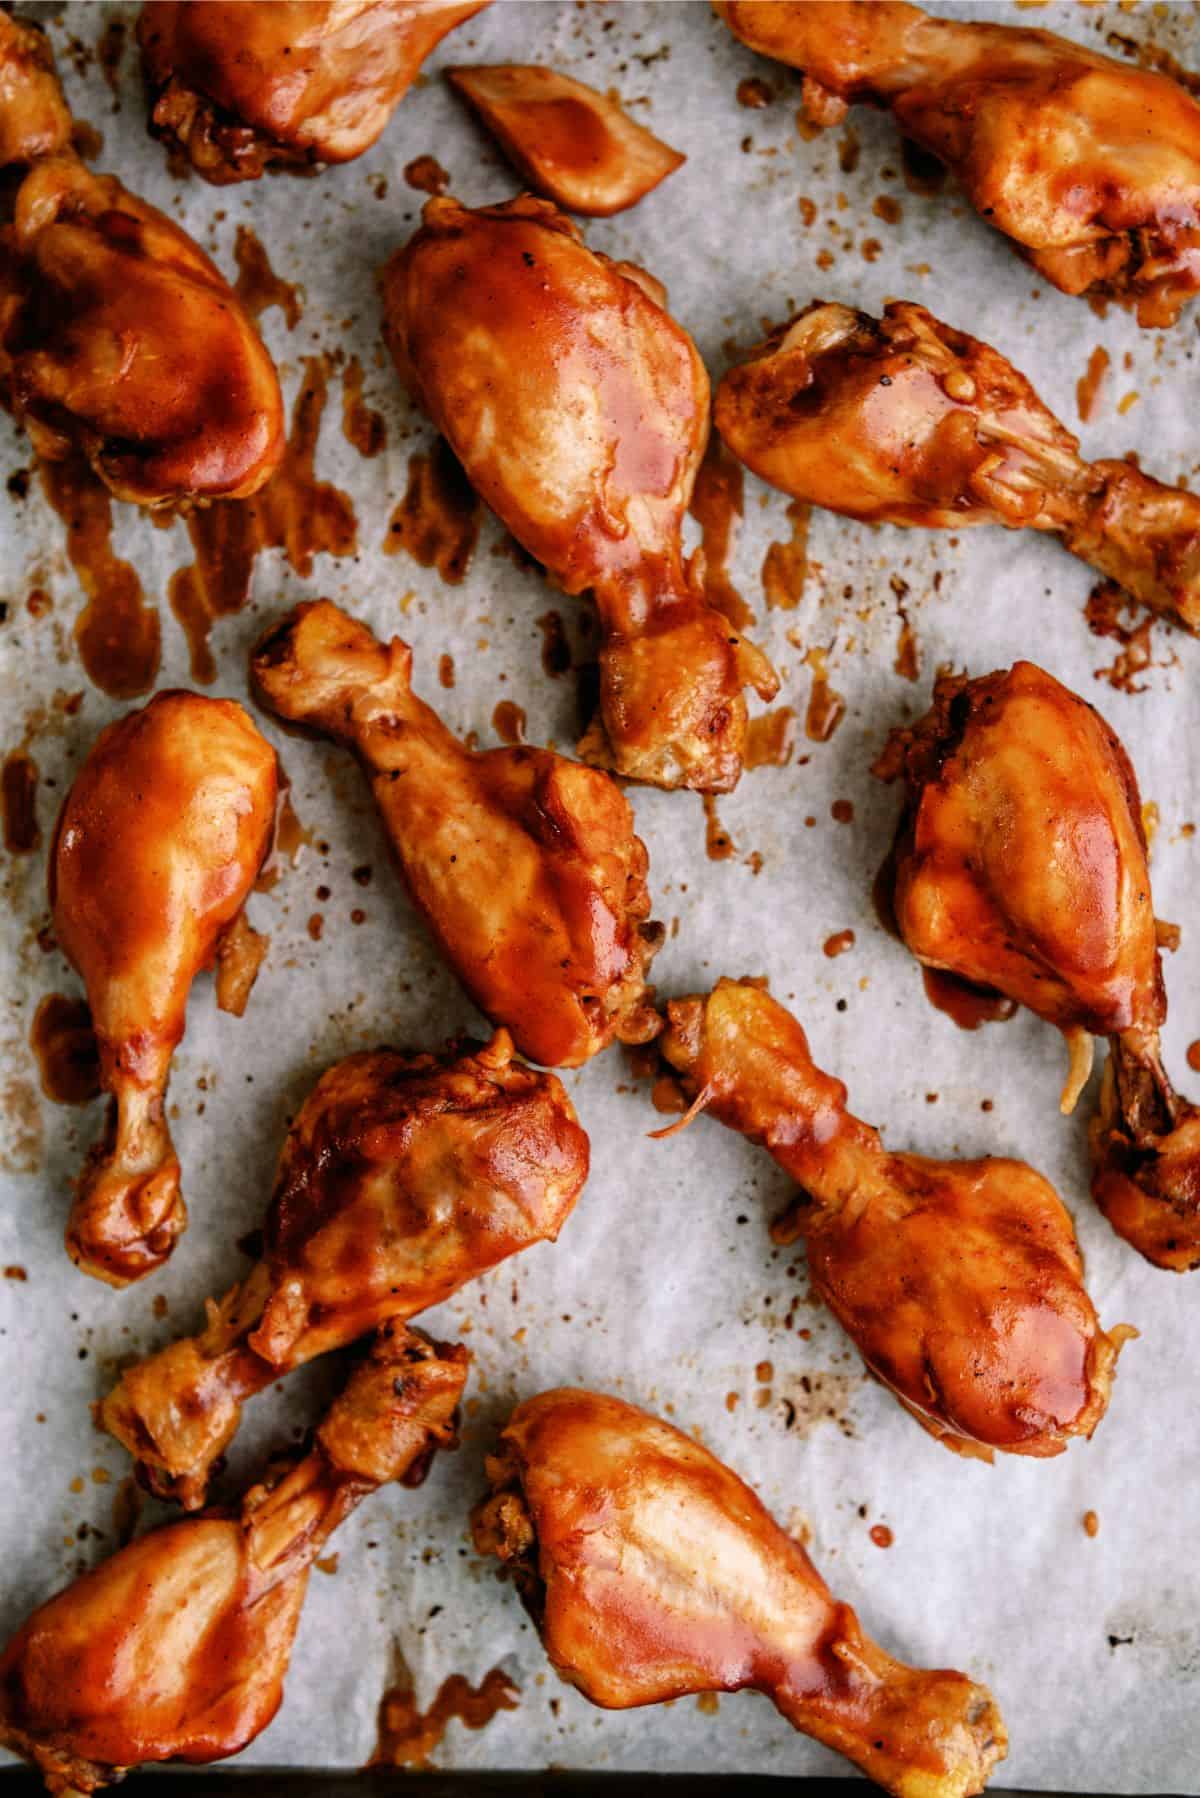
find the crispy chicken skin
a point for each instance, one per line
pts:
(904, 420)
(557, 950)
(579, 409)
(34, 120)
(1092, 168)
(1020, 865)
(244, 85)
(960, 1281)
(402, 1177)
(177, 1648)
(652, 1572)
(155, 852)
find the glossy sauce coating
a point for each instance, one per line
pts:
(1092, 168)
(653, 1572)
(579, 410)
(960, 1282)
(157, 848)
(244, 85)
(176, 1648)
(402, 1177)
(556, 951)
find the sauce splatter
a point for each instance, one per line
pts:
(770, 739)
(363, 427)
(1091, 1523)
(717, 840)
(65, 1049)
(110, 49)
(754, 93)
(258, 286)
(923, 173)
(888, 208)
(842, 811)
(1111, 613)
(826, 708)
(18, 798)
(838, 943)
(881, 1535)
(718, 507)
(785, 565)
(446, 670)
(427, 175)
(408, 1736)
(556, 651)
(1087, 388)
(508, 722)
(849, 150)
(14, 1271)
(908, 651)
(709, 1703)
(437, 521)
(967, 1004)
(1193, 1056)
(666, 1096)
(117, 632)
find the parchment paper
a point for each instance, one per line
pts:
(664, 1286)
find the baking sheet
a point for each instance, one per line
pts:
(664, 1286)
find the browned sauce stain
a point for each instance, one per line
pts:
(117, 632)
(969, 1005)
(717, 506)
(446, 670)
(408, 1736)
(1087, 388)
(770, 739)
(849, 150)
(888, 208)
(1091, 1523)
(826, 708)
(785, 565)
(427, 175)
(1111, 613)
(842, 811)
(1193, 1056)
(258, 286)
(65, 1049)
(437, 521)
(18, 796)
(363, 427)
(808, 210)
(110, 50)
(556, 651)
(666, 1096)
(708, 1703)
(923, 173)
(508, 722)
(14, 1271)
(881, 1535)
(294, 512)
(316, 925)
(717, 840)
(754, 93)
(838, 943)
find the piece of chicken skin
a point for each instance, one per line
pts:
(557, 950)
(240, 86)
(1020, 865)
(34, 120)
(177, 1647)
(1091, 167)
(402, 1177)
(904, 420)
(121, 338)
(579, 410)
(156, 850)
(651, 1572)
(960, 1282)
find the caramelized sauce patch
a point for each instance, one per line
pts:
(437, 521)
(826, 708)
(18, 792)
(408, 1736)
(556, 651)
(1111, 613)
(967, 1004)
(1087, 388)
(508, 722)
(427, 175)
(258, 286)
(717, 506)
(363, 428)
(770, 739)
(718, 843)
(117, 632)
(785, 565)
(65, 1049)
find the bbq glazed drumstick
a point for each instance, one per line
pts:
(1020, 865)
(403, 1177)
(652, 1572)
(579, 409)
(1091, 168)
(557, 949)
(155, 853)
(903, 420)
(119, 337)
(177, 1648)
(960, 1282)
(240, 86)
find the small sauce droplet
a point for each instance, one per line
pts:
(362, 427)
(18, 786)
(110, 49)
(770, 739)
(446, 670)
(849, 150)
(785, 565)
(838, 943)
(826, 708)
(1193, 1057)
(408, 1736)
(708, 1703)
(881, 1535)
(754, 93)
(258, 287)
(437, 521)
(967, 1004)
(508, 722)
(718, 506)
(427, 175)
(842, 811)
(1091, 1523)
(1087, 388)
(717, 841)
(888, 208)
(556, 651)
(65, 1049)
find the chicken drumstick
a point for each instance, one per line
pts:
(1020, 865)
(557, 950)
(1092, 168)
(155, 853)
(579, 409)
(403, 1177)
(177, 1647)
(960, 1281)
(651, 1571)
(903, 420)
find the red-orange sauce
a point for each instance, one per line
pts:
(666, 1096)
(1193, 1056)
(838, 943)
(717, 840)
(408, 1736)
(770, 739)
(258, 286)
(881, 1535)
(1087, 387)
(717, 506)
(18, 798)
(427, 175)
(437, 521)
(826, 708)
(446, 670)
(508, 722)
(65, 1049)
(1108, 606)
(117, 632)
(785, 565)
(888, 208)
(842, 811)
(969, 1005)
(362, 426)
(556, 651)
